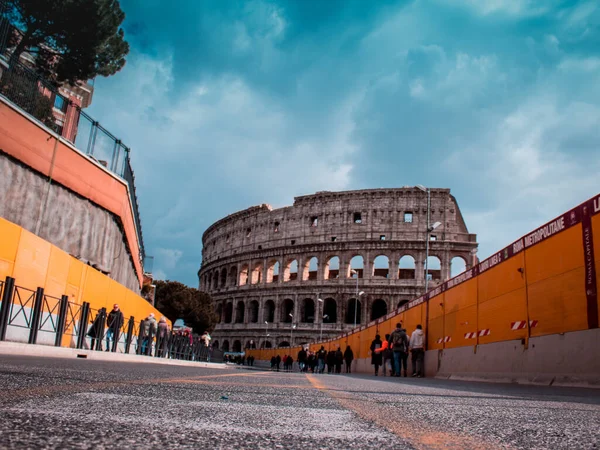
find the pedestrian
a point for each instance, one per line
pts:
(149, 329)
(339, 359)
(290, 363)
(376, 356)
(162, 334)
(273, 362)
(416, 345)
(331, 361)
(302, 359)
(386, 354)
(348, 357)
(400, 344)
(97, 330)
(114, 322)
(277, 362)
(321, 355)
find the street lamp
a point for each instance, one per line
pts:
(292, 329)
(430, 228)
(267, 327)
(324, 317)
(358, 294)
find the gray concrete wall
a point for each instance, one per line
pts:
(72, 223)
(569, 359)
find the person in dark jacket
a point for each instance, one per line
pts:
(302, 360)
(339, 359)
(399, 344)
(277, 362)
(376, 356)
(97, 330)
(114, 322)
(348, 357)
(162, 336)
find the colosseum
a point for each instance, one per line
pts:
(331, 261)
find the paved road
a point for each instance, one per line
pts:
(60, 403)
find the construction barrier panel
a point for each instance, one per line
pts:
(544, 283)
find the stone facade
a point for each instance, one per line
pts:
(293, 273)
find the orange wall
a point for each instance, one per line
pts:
(34, 262)
(31, 144)
(542, 283)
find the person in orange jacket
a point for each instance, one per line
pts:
(386, 352)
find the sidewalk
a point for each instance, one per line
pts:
(45, 351)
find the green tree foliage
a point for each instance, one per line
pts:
(178, 301)
(72, 40)
(21, 87)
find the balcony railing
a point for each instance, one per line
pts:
(40, 98)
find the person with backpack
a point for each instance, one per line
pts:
(400, 344)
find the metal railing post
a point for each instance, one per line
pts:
(36, 316)
(129, 337)
(83, 323)
(100, 331)
(7, 295)
(62, 320)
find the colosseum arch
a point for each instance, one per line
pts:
(307, 311)
(240, 310)
(287, 308)
(224, 277)
(215, 279)
(269, 311)
(233, 275)
(273, 271)
(403, 302)
(310, 269)
(215, 345)
(379, 308)
(434, 268)
(352, 306)
(356, 267)
(330, 310)
(381, 267)
(253, 311)
(244, 273)
(283, 344)
(257, 272)
(225, 345)
(406, 268)
(267, 344)
(237, 346)
(219, 312)
(332, 268)
(228, 312)
(290, 271)
(457, 266)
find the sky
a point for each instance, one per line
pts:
(230, 104)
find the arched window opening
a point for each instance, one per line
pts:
(269, 314)
(225, 346)
(250, 344)
(356, 267)
(287, 308)
(237, 346)
(228, 312)
(267, 344)
(233, 275)
(330, 310)
(378, 309)
(223, 277)
(239, 312)
(407, 268)
(311, 269)
(215, 345)
(253, 313)
(215, 280)
(381, 267)
(284, 344)
(457, 266)
(291, 271)
(353, 311)
(220, 312)
(403, 302)
(257, 273)
(332, 268)
(273, 272)
(307, 312)
(434, 268)
(244, 275)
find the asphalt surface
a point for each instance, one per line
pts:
(70, 403)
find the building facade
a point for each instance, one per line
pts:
(293, 275)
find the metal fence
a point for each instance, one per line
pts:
(38, 318)
(42, 99)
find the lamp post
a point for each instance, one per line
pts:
(324, 317)
(292, 329)
(320, 300)
(266, 328)
(429, 229)
(358, 294)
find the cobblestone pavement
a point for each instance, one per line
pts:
(70, 403)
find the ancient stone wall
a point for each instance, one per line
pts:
(294, 273)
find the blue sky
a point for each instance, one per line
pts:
(229, 104)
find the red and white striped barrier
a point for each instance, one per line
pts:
(444, 339)
(480, 333)
(521, 324)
